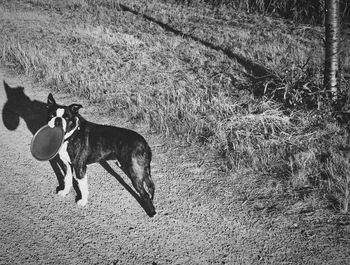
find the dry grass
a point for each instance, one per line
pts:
(190, 74)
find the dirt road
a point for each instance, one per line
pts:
(39, 227)
(201, 218)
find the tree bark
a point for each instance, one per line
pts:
(332, 48)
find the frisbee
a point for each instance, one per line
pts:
(46, 143)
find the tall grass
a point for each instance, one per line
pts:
(301, 11)
(181, 72)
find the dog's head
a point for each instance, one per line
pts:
(64, 116)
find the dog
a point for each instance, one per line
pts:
(86, 143)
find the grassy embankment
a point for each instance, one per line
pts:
(216, 77)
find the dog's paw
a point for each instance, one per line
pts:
(82, 202)
(62, 193)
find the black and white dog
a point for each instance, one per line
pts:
(86, 143)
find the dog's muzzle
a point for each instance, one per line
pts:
(58, 122)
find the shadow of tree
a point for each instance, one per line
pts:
(254, 70)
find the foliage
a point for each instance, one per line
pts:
(301, 11)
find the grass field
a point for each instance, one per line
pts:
(249, 87)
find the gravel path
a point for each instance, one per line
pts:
(201, 216)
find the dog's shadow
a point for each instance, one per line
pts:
(111, 171)
(34, 113)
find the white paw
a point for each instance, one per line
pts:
(63, 193)
(82, 202)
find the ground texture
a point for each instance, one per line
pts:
(202, 216)
(208, 212)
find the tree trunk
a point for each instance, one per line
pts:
(332, 48)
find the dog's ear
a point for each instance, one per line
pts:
(75, 108)
(7, 88)
(50, 100)
(13, 92)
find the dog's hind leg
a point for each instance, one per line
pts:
(148, 183)
(139, 174)
(83, 185)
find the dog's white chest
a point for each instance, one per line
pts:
(63, 153)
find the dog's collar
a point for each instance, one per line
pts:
(70, 133)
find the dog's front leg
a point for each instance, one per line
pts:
(68, 181)
(83, 185)
(68, 178)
